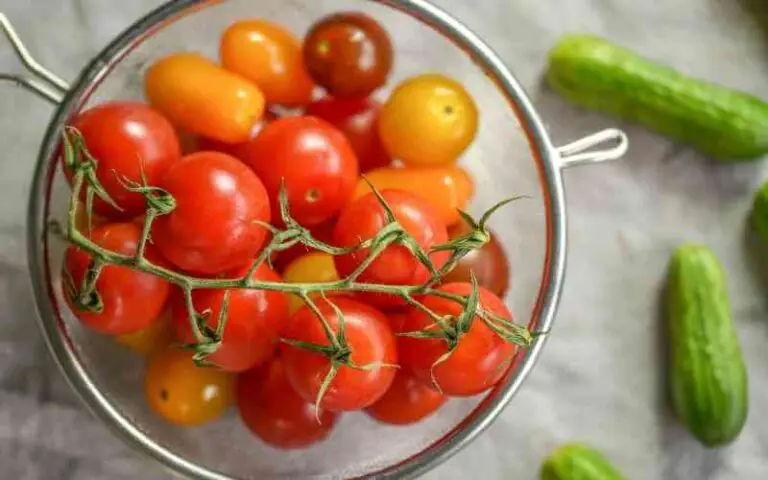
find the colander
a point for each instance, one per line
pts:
(513, 154)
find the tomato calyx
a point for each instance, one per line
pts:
(77, 158)
(85, 297)
(208, 340)
(476, 238)
(338, 352)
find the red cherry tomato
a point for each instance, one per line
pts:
(489, 264)
(358, 119)
(312, 158)
(349, 54)
(370, 340)
(396, 265)
(125, 137)
(132, 300)
(219, 202)
(275, 413)
(254, 322)
(479, 361)
(407, 401)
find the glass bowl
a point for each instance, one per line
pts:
(512, 154)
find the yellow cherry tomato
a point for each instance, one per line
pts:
(447, 187)
(157, 335)
(201, 97)
(428, 120)
(269, 56)
(313, 267)
(183, 393)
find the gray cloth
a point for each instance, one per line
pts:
(599, 379)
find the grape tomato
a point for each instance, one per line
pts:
(269, 56)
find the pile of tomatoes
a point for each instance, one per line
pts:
(212, 136)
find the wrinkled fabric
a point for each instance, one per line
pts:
(600, 378)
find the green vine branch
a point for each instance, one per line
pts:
(85, 183)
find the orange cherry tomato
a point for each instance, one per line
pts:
(313, 267)
(428, 120)
(445, 187)
(151, 339)
(201, 97)
(269, 56)
(183, 393)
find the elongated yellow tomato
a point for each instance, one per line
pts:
(203, 98)
(445, 187)
(313, 267)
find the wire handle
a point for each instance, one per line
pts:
(44, 83)
(579, 152)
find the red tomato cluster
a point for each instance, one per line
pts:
(237, 156)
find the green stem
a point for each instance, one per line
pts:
(148, 219)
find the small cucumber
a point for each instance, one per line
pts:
(596, 74)
(760, 213)
(707, 372)
(576, 461)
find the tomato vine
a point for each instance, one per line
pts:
(207, 340)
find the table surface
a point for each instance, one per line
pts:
(600, 378)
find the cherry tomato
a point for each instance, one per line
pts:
(269, 56)
(447, 188)
(358, 119)
(481, 357)
(349, 54)
(131, 300)
(428, 120)
(370, 340)
(191, 143)
(365, 217)
(124, 138)
(315, 267)
(183, 393)
(275, 413)
(214, 226)
(201, 97)
(322, 232)
(150, 339)
(254, 322)
(489, 264)
(407, 401)
(312, 158)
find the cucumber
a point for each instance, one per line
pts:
(596, 74)
(760, 213)
(707, 372)
(575, 461)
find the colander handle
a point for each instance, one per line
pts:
(42, 82)
(581, 151)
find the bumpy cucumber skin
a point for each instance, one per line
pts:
(760, 213)
(578, 462)
(707, 372)
(598, 75)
